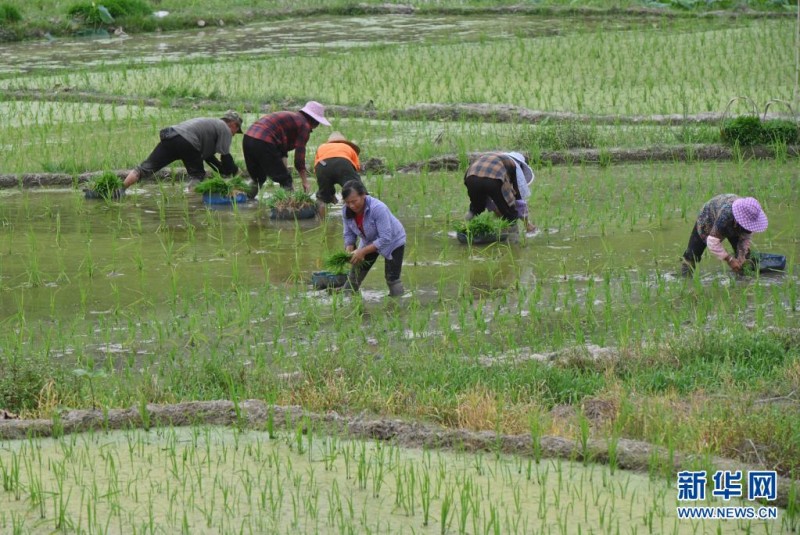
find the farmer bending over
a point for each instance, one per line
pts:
(369, 221)
(499, 182)
(193, 142)
(336, 162)
(724, 216)
(267, 143)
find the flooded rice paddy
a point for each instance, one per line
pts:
(222, 480)
(64, 255)
(328, 34)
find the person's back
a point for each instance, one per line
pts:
(208, 136)
(282, 129)
(337, 149)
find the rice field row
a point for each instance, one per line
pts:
(211, 480)
(637, 72)
(43, 136)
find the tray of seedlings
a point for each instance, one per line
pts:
(291, 205)
(337, 266)
(485, 228)
(220, 192)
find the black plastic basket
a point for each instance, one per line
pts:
(326, 279)
(482, 239)
(767, 262)
(307, 212)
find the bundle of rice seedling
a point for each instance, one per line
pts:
(485, 224)
(106, 185)
(290, 200)
(338, 263)
(217, 185)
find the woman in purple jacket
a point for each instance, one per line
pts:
(369, 221)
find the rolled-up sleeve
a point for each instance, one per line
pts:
(716, 248)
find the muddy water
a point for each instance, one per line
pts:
(217, 480)
(62, 255)
(327, 34)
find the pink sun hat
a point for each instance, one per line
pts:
(316, 111)
(749, 215)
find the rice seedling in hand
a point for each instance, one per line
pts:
(106, 186)
(338, 263)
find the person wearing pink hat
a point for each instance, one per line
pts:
(728, 217)
(267, 143)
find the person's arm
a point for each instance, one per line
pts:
(229, 167)
(361, 253)
(522, 211)
(300, 158)
(383, 224)
(715, 247)
(743, 248)
(214, 164)
(350, 237)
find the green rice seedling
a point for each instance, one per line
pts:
(217, 185)
(290, 200)
(338, 263)
(484, 224)
(106, 185)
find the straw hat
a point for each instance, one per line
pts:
(316, 111)
(526, 170)
(749, 215)
(338, 137)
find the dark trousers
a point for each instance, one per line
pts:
(169, 149)
(331, 172)
(392, 268)
(265, 160)
(697, 246)
(480, 189)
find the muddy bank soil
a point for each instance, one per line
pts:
(631, 455)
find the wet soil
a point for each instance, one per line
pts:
(631, 454)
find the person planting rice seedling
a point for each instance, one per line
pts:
(725, 216)
(336, 162)
(368, 220)
(268, 141)
(499, 182)
(193, 142)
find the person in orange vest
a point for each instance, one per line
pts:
(336, 162)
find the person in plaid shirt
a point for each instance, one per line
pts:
(268, 141)
(493, 183)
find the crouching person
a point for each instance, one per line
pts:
(369, 222)
(723, 217)
(193, 142)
